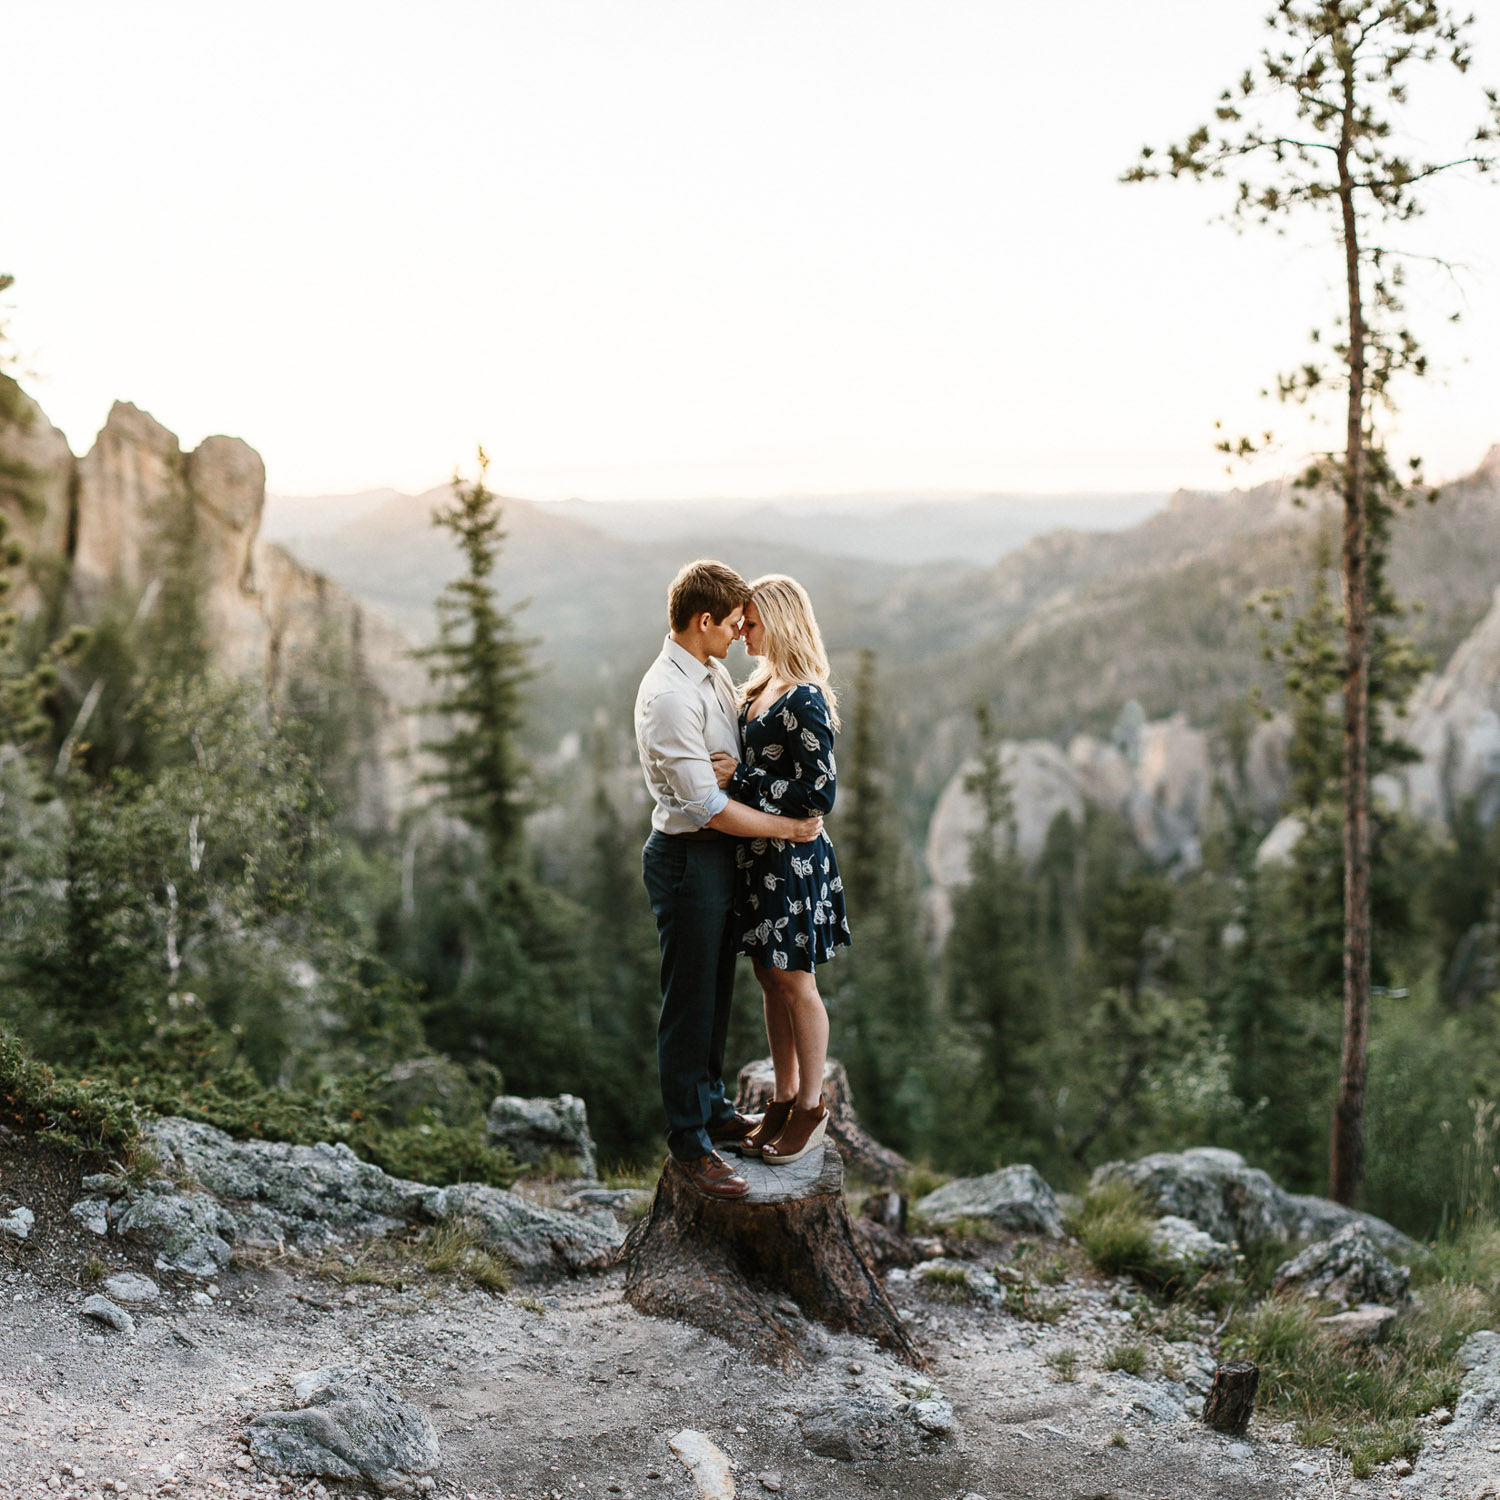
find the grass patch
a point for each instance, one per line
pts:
(1024, 1298)
(1114, 1227)
(454, 1248)
(1130, 1359)
(920, 1181)
(92, 1272)
(1364, 1402)
(948, 1284)
(1063, 1363)
(967, 1227)
(1117, 1439)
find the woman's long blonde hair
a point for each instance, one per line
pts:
(793, 645)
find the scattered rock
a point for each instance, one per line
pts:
(92, 1213)
(1221, 1195)
(17, 1225)
(102, 1310)
(875, 1424)
(106, 1184)
(1183, 1245)
(189, 1231)
(1365, 1324)
(351, 1425)
(1015, 1198)
(708, 1465)
(1164, 1400)
(1347, 1269)
(770, 1481)
(533, 1129)
(131, 1286)
(532, 1238)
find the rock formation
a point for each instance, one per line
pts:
(107, 523)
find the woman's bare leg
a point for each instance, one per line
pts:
(796, 994)
(779, 1033)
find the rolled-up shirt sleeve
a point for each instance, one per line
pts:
(676, 752)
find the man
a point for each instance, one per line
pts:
(684, 712)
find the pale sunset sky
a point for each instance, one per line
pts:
(661, 248)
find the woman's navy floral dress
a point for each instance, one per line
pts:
(789, 902)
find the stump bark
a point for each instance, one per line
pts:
(753, 1270)
(876, 1163)
(1230, 1402)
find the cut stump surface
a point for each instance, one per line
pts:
(753, 1270)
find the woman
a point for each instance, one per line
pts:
(789, 903)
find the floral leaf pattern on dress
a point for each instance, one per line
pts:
(789, 897)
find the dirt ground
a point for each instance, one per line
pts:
(564, 1390)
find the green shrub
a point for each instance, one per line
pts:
(1129, 1358)
(1114, 1228)
(82, 1114)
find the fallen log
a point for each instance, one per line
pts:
(875, 1163)
(753, 1270)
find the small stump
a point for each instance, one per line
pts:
(751, 1269)
(1230, 1402)
(874, 1162)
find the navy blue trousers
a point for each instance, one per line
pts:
(691, 886)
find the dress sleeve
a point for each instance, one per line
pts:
(800, 781)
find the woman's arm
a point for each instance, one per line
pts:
(774, 785)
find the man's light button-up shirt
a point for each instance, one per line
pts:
(683, 713)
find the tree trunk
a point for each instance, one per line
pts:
(752, 1270)
(1230, 1402)
(1346, 1148)
(861, 1151)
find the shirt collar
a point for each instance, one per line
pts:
(686, 662)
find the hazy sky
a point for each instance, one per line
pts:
(663, 247)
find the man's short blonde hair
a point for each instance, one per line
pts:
(705, 586)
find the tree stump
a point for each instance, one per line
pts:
(876, 1163)
(753, 1269)
(1230, 1402)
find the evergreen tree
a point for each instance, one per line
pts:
(479, 664)
(1321, 115)
(989, 976)
(878, 990)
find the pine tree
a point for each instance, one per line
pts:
(479, 664)
(879, 990)
(1320, 115)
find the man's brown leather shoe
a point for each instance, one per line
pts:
(714, 1177)
(732, 1129)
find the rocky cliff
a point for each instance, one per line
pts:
(109, 523)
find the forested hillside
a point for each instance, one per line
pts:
(206, 904)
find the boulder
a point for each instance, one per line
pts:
(1014, 1198)
(131, 1286)
(532, 1238)
(102, 1310)
(426, 1089)
(349, 1425)
(319, 1193)
(1181, 1244)
(534, 1129)
(878, 1423)
(188, 1231)
(1219, 1193)
(1362, 1325)
(1347, 1268)
(16, 1225)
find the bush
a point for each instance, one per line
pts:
(1114, 1228)
(102, 1113)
